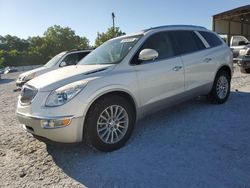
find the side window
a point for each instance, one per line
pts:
(82, 55)
(239, 41)
(187, 42)
(161, 43)
(71, 59)
(198, 41)
(211, 38)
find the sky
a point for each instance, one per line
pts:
(24, 18)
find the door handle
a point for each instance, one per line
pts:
(177, 68)
(207, 60)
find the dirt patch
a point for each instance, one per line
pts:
(194, 144)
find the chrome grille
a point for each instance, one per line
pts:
(27, 94)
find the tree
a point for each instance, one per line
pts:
(109, 34)
(59, 39)
(13, 43)
(38, 50)
(1, 62)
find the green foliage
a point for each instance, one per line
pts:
(109, 34)
(59, 39)
(38, 50)
(13, 43)
(1, 62)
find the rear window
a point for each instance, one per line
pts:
(211, 38)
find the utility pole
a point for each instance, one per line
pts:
(113, 18)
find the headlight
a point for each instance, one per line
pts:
(29, 77)
(64, 94)
(248, 51)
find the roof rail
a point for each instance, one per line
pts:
(73, 50)
(169, 26)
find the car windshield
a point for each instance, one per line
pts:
(54, 60)
(111, 52)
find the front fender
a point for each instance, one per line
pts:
(109, 89)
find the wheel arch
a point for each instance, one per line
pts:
(120, 92)
(225, 68)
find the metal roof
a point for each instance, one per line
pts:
(240, 12)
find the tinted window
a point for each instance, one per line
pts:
(82, 55)
(187, 41)
(71, 59)
(161, 43)
(211, 38)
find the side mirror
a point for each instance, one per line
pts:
(63, 64)
(148, 54)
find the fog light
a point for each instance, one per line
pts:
(55, 123)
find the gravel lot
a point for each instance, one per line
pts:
(194, 144)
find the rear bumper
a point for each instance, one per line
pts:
(20, 84)
(67, 134)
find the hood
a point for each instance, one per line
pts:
(33, 71)
(60, 77)
(247, 46)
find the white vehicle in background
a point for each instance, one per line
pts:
(60, 60)
(123, 80)
(241, 52)
(238, 43)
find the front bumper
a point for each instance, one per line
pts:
(67, 134)
(244, 61)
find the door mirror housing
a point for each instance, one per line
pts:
(63, 64)
(148, 54)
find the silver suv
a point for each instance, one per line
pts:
(126, 78)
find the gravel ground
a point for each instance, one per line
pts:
(194, 144)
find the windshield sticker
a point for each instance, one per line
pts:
(129, 40)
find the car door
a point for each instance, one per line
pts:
(237, 43)
(197, 61)
(161, 79)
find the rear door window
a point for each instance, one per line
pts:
(211, 38)
(186, 42)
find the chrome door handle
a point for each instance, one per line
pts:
(177, 68)
(207, 60)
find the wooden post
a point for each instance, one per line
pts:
(113, 18)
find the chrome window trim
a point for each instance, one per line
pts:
(202, 39)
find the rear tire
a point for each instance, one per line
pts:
(244, 70)
(221, 88)
(109, 123)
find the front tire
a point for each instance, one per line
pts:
(109, 123)
(221, 88)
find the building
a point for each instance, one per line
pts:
(233, 22)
